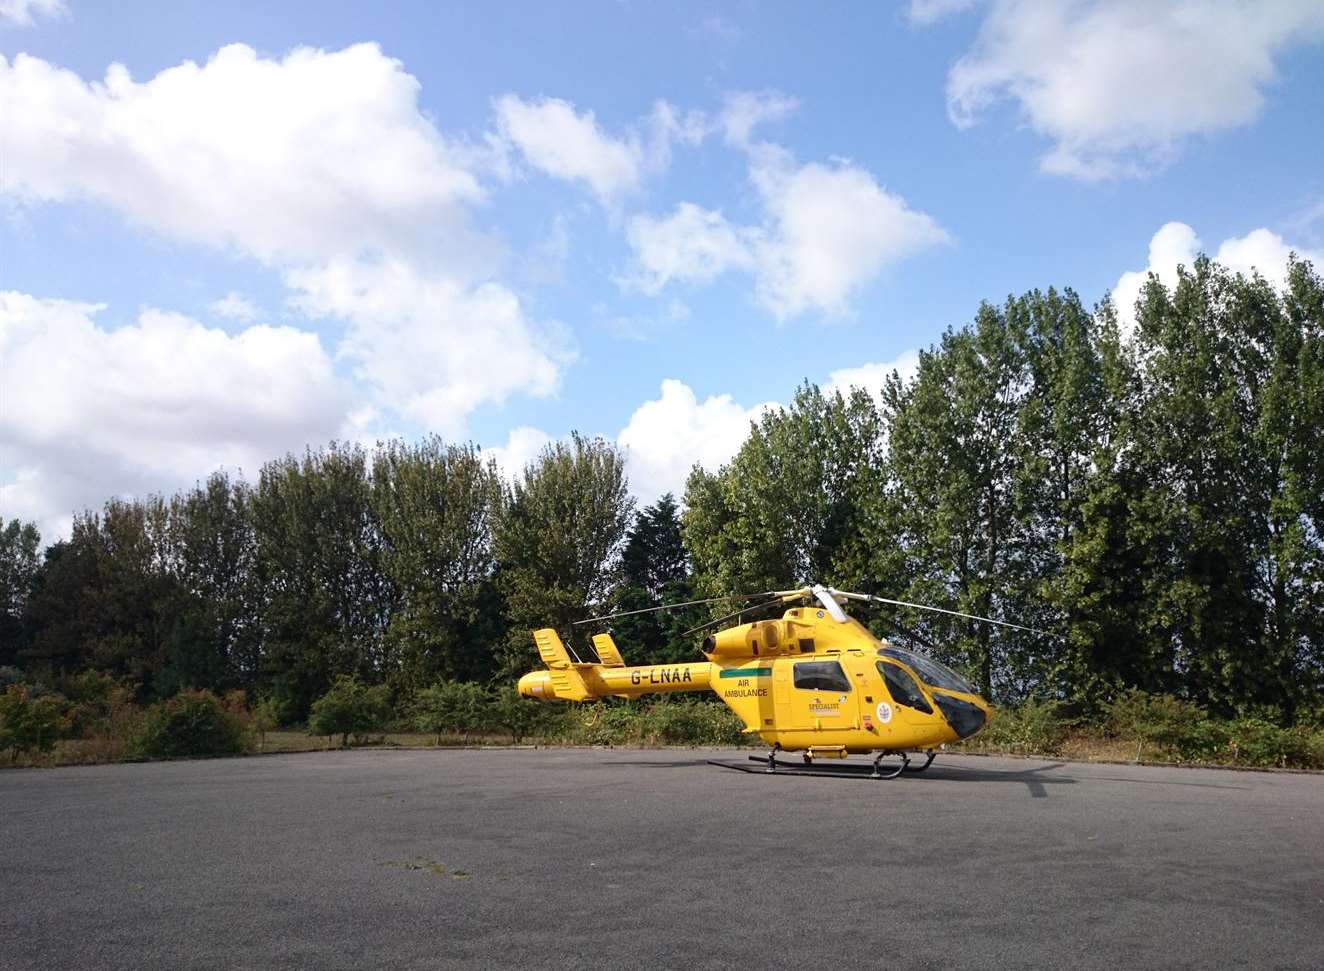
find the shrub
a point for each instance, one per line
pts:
(1256, 741)
(192, 723)
(29, 724)
(349, 708)
(691, 722)
(516, 714)
(1035, 727)
(456, 706)
(266, 717)
(1175, 727)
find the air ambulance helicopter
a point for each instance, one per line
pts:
(816, 681)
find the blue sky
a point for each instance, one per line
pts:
(232, 230)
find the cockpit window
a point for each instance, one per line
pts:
(903, 688)
(821, 676)
(929, 671)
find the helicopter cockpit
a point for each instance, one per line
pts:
(964, 717)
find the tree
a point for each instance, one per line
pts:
(437, 504)
(350, 707)
(19, 562)
(326, 599)
(215, 640)
(655, 571)
(792, 505)
(558, 541)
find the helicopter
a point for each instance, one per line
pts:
(815, 681)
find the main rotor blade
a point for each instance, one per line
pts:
(687, 603)
(940, 610)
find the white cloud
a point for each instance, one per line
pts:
(565, 144)
(1118, 86)
(873, 375)
(436, 349)
(925, 12)
(89, 412)
(666, 436)
(320, 165)
(234, 306)
(828, 231)
(24, 13)
(523, 445)
(833, 229)
(743, 111)
(693, 244)
(1176, 244)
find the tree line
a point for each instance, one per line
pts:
(1149, 497)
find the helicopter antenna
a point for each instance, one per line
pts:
(675, 606)
(941, 610)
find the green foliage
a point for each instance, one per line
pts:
(454, 706)
(1034, 727)
(29, 724)
(191, 724)
(517, 714)
(350, 707)
(684, 721)
(559, 539)
(267, 716)
(19, 563)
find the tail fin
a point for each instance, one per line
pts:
(606, 648)
(567, 681)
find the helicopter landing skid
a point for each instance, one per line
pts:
(841, 770)
(927, 762)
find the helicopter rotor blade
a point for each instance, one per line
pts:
(941, 610)
(675, 606)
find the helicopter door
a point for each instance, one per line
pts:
(820, 696)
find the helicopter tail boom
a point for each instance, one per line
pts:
(565, 680)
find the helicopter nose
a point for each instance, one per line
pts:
(964, 717)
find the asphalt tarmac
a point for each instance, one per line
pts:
(611, 858)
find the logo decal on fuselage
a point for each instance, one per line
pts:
(884, 712)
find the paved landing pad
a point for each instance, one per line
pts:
(604, 858)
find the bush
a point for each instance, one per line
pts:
(29, 724)
(455, 706)
(267, 715)
(350, 708)
(1255, 741)
(192, 723)
(518, 715)
(1035, 727)
(692, 722)
(1175, 727)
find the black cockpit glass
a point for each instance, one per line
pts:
(902, 687)
(929, 671)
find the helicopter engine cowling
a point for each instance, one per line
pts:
(748, 640)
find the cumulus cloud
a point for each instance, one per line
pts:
(24, 13)
(567, 144)
(743, 111)
(523, 445)
(1176, 244)
(692, 244)
(668, 435)
(234, 306)
(90, 411)
(873, 375)
(925, 12)
(828, 231)
(1118, 86)
(320, 165)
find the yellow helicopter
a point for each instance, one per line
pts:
(814, 681)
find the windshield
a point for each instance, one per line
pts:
(929, 671)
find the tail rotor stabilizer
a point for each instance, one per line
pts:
(606, 648)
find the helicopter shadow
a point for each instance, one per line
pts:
(650, 764)
(1034, 779)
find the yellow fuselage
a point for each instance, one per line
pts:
(804, 682)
